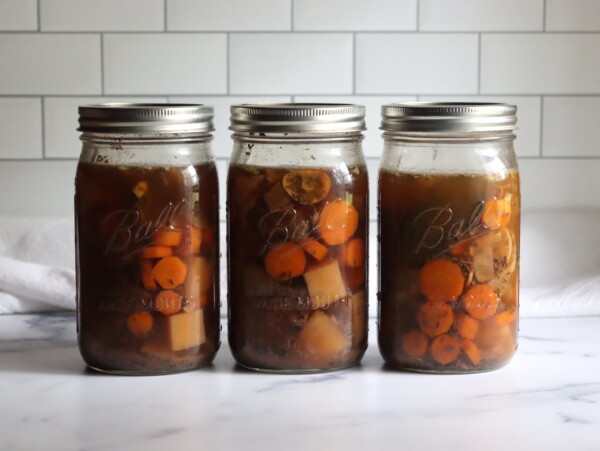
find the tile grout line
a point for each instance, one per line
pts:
(276, 94)
(385, 32)
(541, 151)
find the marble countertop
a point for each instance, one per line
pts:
(547, 398)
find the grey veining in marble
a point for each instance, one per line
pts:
(548, 398)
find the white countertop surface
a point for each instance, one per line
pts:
(548, 398)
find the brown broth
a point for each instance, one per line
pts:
(268, 318)
(424, 218)
(121, 214)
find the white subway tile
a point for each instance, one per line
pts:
(560, 183)
(416, 63)
(229, 15)
(222, 143)
(572, 15)
(527, 143)
(373, 143)
(355, 15)
(37, 188)
(60, 120)
(571, 127)
(105, 15)
(481, 15)
(50, 64)
(285, 63)
(146, 64)
(540, 63)
(20, 128)
(18, 15)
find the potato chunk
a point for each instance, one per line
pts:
(322, 338)
(325, 284)
(186, 330)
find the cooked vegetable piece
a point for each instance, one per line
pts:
(444, 349)
(186, 330)
(156, 252)
(140, 189)
(459, 248)
(322, 338)
(354, 277)
(191, 240)
(139, 323)
(306, 186)
(496, 212)
(147, 277)
(313, 248)
(325, 284)
(337, 222)
(199, 278)
(167, 238)
(480, 301)
(466, 326)
(471, 351)
(495, 343)
(285, 262)
(505, 317)
(170, 272)
(441, 280)
(167, 302)
(353, 253)
(435, 317)
(194, 303)
(415, 343)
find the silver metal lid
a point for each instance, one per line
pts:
(297, 118)
(144, 118)
(427, 117)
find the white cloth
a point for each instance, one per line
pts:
(560, 264)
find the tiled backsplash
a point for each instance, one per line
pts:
(543, 56)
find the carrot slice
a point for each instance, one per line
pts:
(139, 323)
(167, 302)
(313, 248)
(460, 248)
(442, 280)
(435, 318)
(481, 301)
(445, 349)
(140, 189)
(505, 317)
(496, 213)
(156, 252)
(285, 262)
(466, 326)
(147, 277)
(306, 186)
(191, 240)
(353, 253)
(354, 277)
(167, 238)
(415, 343)
(471, 350)
(337, 222)
(170, 272)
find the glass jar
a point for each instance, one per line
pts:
(449, 216)
(297, 218)
(147, 238)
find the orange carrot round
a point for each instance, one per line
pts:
(480, 301)
(471, 350)
(139, 323)
(337, 222)
(496, 213)
(444, 349)
(466, 326)
(285, 262)
(306, 186)
(167, 238)
(435, 318)
(147, 278)
(414, 343)
(170, 272)
(313, 248)
(167, 302)
(505, 317)
(353, 253)
(156, 252)
(441, 280)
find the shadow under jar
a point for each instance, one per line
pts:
(297, 218)
(449, 216)
(147, 237)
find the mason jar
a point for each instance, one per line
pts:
(297, 220)
(147, 237)
(449, 215)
